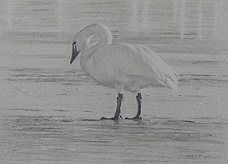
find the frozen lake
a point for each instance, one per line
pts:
(50, 110)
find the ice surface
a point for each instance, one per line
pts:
(50, 110)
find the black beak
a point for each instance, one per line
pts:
(74, 52)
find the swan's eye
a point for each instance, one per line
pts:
(74, 42)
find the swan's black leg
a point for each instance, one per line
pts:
(117, 113)
(139, 100)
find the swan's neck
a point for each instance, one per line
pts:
(86, 59)
(101, 35)
(91, 48)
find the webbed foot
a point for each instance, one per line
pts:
(136, 118)
(113, 118)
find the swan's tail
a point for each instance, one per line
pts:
(172, 80)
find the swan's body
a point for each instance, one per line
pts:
(121, 66)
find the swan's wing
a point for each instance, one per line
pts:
(132, 64)
(150, 65)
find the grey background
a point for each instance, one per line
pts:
(50, 110)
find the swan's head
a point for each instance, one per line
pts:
(75, 51)
(79, 45)
(92, 35)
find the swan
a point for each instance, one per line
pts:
(124, 67)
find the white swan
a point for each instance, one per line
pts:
(120, 66)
